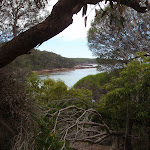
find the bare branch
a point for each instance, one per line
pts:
(75, 124)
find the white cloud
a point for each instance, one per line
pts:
(72, 41)
(77, 29)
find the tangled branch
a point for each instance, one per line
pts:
(76, 124)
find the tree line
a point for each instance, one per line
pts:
(40, 60)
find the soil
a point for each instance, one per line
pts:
(87, 146)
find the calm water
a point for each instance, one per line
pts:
(71, 77)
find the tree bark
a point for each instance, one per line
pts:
(56, 22)
(128, 142)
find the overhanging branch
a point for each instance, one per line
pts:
(56, 22)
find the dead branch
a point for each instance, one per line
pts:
(75, 124)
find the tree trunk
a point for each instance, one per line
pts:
(128, 141)
(117, 140)
(59, 19)
(148, 140)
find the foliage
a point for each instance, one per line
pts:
(126, 104)
(51, 26)
(17, 111)
(45, 138)
(125, 107)
(84, 60)
(39, 60)
(18, 16)
(51, 93)
(117, 34)
(22, 120)
(95, 83)
(18, 108)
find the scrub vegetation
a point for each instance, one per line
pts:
(110, 109)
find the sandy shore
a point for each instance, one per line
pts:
(45, 71)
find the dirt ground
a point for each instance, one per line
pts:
(86, 146)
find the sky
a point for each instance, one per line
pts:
(72, 42)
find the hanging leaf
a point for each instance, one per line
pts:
(146, 2)
(85, 21)
(122, 20)
(120, 10)
(148, 5)
(40, 3)
(118, 32)
(111, 4)
(134, 22)
(118, 2)
(96, 12)
(84, 10)
(111, 18)
(103, 14)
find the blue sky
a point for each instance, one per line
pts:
(76, 48)
(72, 42)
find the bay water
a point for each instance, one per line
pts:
(71, 77)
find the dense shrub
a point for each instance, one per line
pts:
(95, 83)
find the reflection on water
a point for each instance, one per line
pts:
(71, 77)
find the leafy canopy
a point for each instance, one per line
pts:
(128, 97)
(117, 34)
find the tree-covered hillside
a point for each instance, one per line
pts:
(84, 60)
(39, 60)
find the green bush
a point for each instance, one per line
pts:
(51, 93)
(45, 138)
(95, 83)
(126, 105)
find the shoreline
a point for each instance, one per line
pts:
(45, 71)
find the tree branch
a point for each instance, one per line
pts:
(80, 127)
(56, 22)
